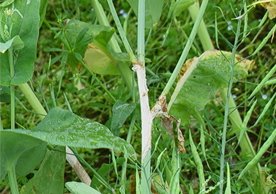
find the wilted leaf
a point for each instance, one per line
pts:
(63, 128)
(202, 79)
(50, 176)
(271, 8)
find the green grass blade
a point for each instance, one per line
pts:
(265, 109)
(228, 185)
(245, 121)
(262, 150)
(263, 82)
(271, 82)
(186, 49)
(249, 113)
(263, 43)
(121, 31)
(102, 18)
(198, 163)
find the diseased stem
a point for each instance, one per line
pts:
(38, 108)
(146, 116)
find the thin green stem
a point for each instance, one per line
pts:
(12, 180)
(33, 100)
(121, 31)
(186, 49)
(202, 30)
(1, 125)
(12, 92)
(124, 69)
(226, 110)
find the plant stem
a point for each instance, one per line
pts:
(12, 93)
(32, 99)
(124, 69)
(247, 150)
(202, 30)
(226, 110)
(146, 116)
(1, 125)
(186, 49)
(12, 180)
(38, 108)
(121, 31)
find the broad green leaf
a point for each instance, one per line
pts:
(204, 77)
(87, 44)
(6, 3)
(50, 176)
(77, 35)
(153, 10)
(98, 61)
(63, 128)
(16, 43)
(120, 112)
(20, 150)
(80, 188)
(24, 17)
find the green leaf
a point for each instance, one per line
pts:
(50, 176)
(120, 112)
(16, 43)
(24, 22)
(181, 5)
(77, 35)
(202, 80)
(153, 10)
(80, 188)
(4, 94)
(20, 150)
(6, 3)
(63, 128)
(98, 61)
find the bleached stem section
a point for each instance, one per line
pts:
(146, 119)
(146, 115)
(76, 165)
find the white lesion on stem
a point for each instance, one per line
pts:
(146, 115)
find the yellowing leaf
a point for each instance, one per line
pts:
(203, 77)
(271, 8)
(98, 61)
